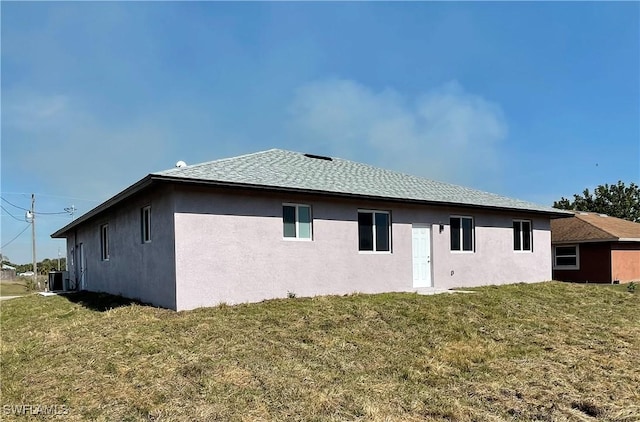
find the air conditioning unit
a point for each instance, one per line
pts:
(58, 281)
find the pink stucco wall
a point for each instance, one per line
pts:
(229, 249)
(142, 271)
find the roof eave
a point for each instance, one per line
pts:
(612, 239)
(574, 242)
(552, 214)
(151, 178)
(131, 190)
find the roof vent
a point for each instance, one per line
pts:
(318, 157)
(603, 215)
(181, 164)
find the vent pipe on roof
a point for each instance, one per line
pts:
(181, 164)
(318, 157)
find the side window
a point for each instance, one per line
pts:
(145, 224)
(297, 221)
(104, 242)
(522, 239)
(566, 257)
(462, 234)
(374, 231)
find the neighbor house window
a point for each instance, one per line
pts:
(145, 224)
(462, 236)
(566, 257)
(297, 222)
(374, 231)
(104, 242)
(522, 235)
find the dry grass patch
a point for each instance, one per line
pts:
(546, 351)
(13, 288)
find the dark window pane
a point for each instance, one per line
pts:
(146, 224)
(382, 232)
(517, 244)
(365, 231)
(104, 242)
(565, 250)
(566, 260)
(467, 234)
(454, 223)
(526, 236)
(289, 220)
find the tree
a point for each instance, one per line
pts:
(614, 200)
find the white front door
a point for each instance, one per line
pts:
(421, 237)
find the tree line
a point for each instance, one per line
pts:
(614, 200)
(43, 266)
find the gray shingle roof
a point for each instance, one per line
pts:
(292, 170)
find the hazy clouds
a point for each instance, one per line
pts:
(445, 133)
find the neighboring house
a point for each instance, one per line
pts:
(592, 247)
(8, 272)
(268, 224)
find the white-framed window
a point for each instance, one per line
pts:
(374, 231)
(522, 236)
(145, 224)
(297, 222)
(462, 233)
(566, 257)
(104, 242)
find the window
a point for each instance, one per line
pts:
(296, 221)
(145, 224)
(374, 231)
(522, 235)
(566, 257)
(462, 236)
(104, 242)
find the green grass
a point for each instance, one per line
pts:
(548, 352)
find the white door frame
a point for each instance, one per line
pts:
(428, 282)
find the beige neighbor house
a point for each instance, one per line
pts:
(274, 223)
(595, 248)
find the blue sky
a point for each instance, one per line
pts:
(530, 100)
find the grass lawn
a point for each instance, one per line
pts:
(548, 351)
(13, 288)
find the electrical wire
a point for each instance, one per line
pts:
(11, 215)
(37, 212)
(52, 196)
(14, 205)
(17, 236)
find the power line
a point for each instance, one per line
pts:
(17, 236)
(37, 212)
(14, 205)
(11, 215)
(52, 196)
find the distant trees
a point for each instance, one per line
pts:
(44, 266)
(615, 200)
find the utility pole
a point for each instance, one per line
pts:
(33, 239)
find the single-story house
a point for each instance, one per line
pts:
(8, 272)
(595, 248)
(276, 223)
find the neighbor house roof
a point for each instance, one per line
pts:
(593, 227)
(281, 170)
